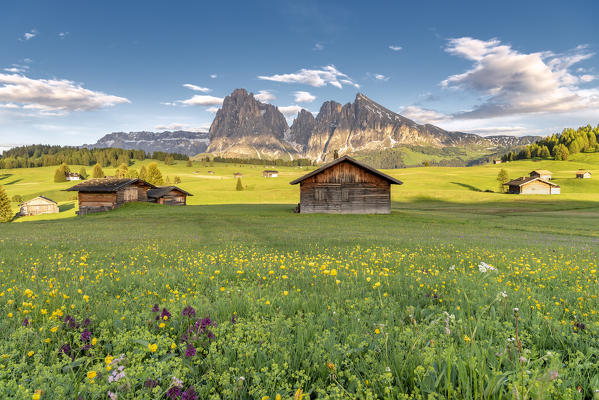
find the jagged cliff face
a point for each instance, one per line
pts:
(183, 142)
(245, 127)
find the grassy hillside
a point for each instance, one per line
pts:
(444, 184)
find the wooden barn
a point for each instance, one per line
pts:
(541, 173)
(583, 174)
(96, 195)
(532, 185)
(169, 195)
(345, 186)
(37, 206)
(270, 173)
(73, 176)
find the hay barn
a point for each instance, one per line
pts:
(345, 186)
(541, 173)
(583, 174)
(96, 195)
(532, 185)
(37, 206)
(169, 195)
(270, 173)
(73, 176)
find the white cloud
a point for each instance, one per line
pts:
(395, 48)
(62, 35)
(14, 70)
(202, 100)
(9, 105)
(29, 35)
(318, 47)
(214, 76)
(304, 97)
(212, 109)
(168, 103)
(518, 83)
(290, 111)
(587, 78)
(176, 126)
(381, 77)
(197, 88)
(423, 115)
(314, 77)
(52, 96)
(264, 96)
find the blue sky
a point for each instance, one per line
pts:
(72, 71)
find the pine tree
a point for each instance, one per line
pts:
(143, 173)
(239, 185)
(132, 173)
(83, 173)
(60, 174)
(189, 163)
(97, 171)
(168, 180)
(154, 176)
(121, 171)
(6, 214)
(502, 177)
(177, 180)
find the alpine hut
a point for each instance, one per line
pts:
(170, 195)
(37, 206)
(345, 186)
(96, 195)
(532, 185)
(583, 174)
(73, 176)
(541, 173)
(270, 173)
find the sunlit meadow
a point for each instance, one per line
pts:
(256, 302)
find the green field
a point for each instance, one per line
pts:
(327, 306)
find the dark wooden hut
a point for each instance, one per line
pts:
(345, 186)
(170, 195)
(96, 195)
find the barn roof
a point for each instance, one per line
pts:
(368, 168)
(107, 185)
(163, 190)
(541, 172)
(583, 171)
(270, 170)
(524, 180)
(40, 197)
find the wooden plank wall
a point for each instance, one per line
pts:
(97, 200)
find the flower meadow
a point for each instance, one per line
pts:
(214, 303)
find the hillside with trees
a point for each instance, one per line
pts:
(560, 146)
(46, 155)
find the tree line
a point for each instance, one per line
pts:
(257, 161)
(46, 155)
(559, 146)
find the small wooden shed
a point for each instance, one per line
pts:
(73, 176)
(237, 175)
(532, 185)
(103, 194)
(37, 206)
(541, 173)
(583, 174)
(345, 186)
(270, 173)
(170, 195)
(496, 161)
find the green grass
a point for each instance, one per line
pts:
(337, 306)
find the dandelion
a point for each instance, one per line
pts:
(91, 375)
(31, 353)
(467, 339)
(152, 347)
(37, 395)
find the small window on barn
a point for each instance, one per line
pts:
(345, 195)
(319, 194)
(130, 194)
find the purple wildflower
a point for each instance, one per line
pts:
(174, 392)
(86, 322)
(113, 396)
(155, 308)
(233, 320)
(191, 351)
(25, 322)
(165, 313)
(70, 322)
(86, 336)
(189, 311)
(189, 394)
(210, 335)
(203, 323)
(150, 383)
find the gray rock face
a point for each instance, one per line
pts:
(184, 142)
(245, 127)
(301, 129)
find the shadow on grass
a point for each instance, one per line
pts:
(13, 182)
(4, 176)
(469, 187)
(66, 207)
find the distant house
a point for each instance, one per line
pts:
(169, 195)
(211, 172)
(73, 176)
(532, 185)
(345, 186)
(270, 173)
(237, 175)
(96, 195)
(583, 174)
(37, 206)
(541, 173)
(496, 161)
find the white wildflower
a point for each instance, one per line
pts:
(484, 267)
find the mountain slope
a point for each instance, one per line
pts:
(183, 142)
